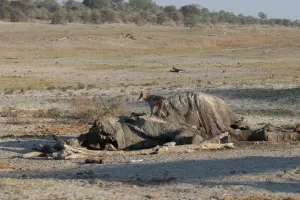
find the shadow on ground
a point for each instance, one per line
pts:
(25, 145)
(270, 102)
(271, 186)
(149, 172)
(256, 93)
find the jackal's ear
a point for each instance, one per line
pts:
(141, 95)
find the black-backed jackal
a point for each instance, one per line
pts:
(161, 103)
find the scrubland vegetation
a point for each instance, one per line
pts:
(139, 12)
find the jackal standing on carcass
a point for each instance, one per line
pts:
(161, 103)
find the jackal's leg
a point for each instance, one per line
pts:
(166, 106)
(151, 110)
(159, 109)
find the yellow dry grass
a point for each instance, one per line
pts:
(84, 49)
(25, 83)
(73, 40)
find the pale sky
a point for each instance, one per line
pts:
(289, 9)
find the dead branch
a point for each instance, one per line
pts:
(176, 70)
(129, 35)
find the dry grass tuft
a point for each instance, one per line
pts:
(19, 116)
(84, 110)
(87, 110)
(62, 129)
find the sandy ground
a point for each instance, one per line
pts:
(264, 170)
(254, 69)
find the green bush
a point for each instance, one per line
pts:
(124, 16)
(17, 15)
(172, 13)
(136, 18)
(191, 15)
(142, 5)
(139, 12)
(108, 15)
(96, 4)
(161, 18)
(85, 16)
(4, 9)
(95, 17)
(191, 20)
(152, 19)
(42, 14)
(58, 18)
(51, 5)
(70, 16)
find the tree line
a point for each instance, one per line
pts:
(140, 12)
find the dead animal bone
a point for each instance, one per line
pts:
(67, 151)
(128, 35)
(176, 70)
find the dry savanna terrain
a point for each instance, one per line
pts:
(59, 78)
